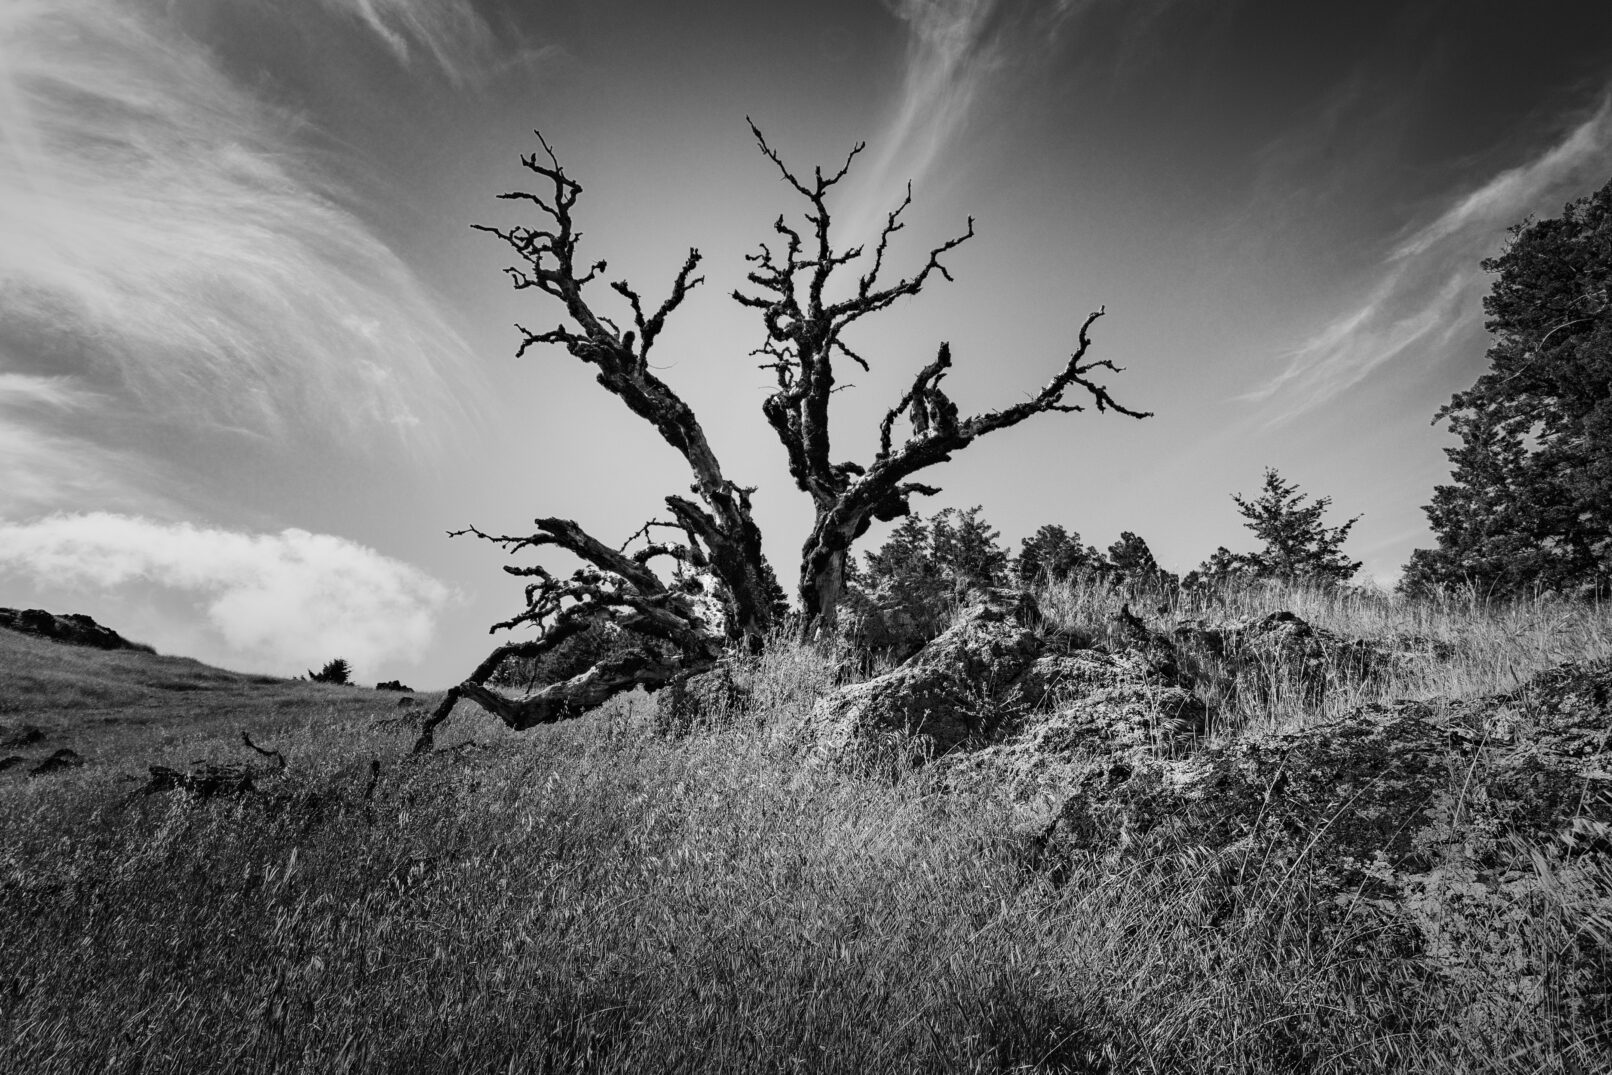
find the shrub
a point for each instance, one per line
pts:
(335, 671)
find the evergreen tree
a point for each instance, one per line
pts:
(1530, 500)
(1296, 544)
(968, 548)
(904, 554)
(1053, 554)
(336, 671)
(958, 547)
(1132, 561)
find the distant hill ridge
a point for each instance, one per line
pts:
(75, 629)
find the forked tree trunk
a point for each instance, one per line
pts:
(805, 331)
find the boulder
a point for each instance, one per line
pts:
(949, 693)
(74, 630)
(701, 700)
(1076, 710)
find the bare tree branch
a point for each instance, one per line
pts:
(616, 586)
(803, 335)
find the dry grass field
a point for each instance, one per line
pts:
(592, 897)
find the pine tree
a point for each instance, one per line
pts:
(1132, 562)
(905, 553)
(957, 547)
(1053, 554)
(335, 671)
(1296, 544)
(1529, 505)
(967, 548)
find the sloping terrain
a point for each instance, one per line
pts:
(121, 707)
(1078, 868)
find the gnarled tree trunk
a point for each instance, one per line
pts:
(615, 586)
(804, 333)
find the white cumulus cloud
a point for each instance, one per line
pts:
(285, 601)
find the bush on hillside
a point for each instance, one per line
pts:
(335, 671)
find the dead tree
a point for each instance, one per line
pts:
(622, 586)
(805, 334)
(715, 534)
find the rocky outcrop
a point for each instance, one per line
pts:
(1477, 831)
(74, 630)
(1471, 836)
(951, 692)
(1281, 651)
(1381, 784)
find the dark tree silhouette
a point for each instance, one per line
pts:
(718, 535)
(1529, 505)
(959, 549)
(668, 624)
(805, 333)
(1053, 554)
(1132, 562)
(335, 671)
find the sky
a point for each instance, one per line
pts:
(255, 363)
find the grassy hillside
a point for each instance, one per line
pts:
(589, 897)
(122, 710)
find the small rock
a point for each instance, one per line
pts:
(65, 758)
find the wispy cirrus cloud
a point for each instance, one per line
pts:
(956, 50)
(1432, 284)
(451, 31)
(45, 466)
(278, 601)
(169, 252)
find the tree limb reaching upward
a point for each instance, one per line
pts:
(670, 633)
(804, 334)
(614, 586)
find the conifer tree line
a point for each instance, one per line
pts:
(964, 549)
